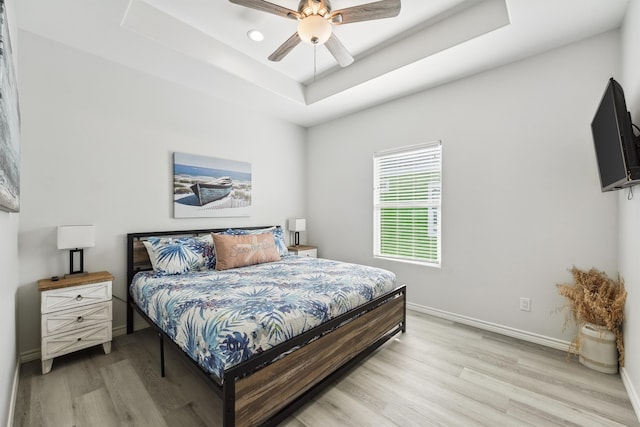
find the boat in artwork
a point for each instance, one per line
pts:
(208, 192)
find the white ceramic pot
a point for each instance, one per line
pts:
(598, 348)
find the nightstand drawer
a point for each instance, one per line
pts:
(304, 250)
(69, 320)
(76, 296)
(59, 344)
(313, 253)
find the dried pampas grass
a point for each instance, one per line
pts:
(595, 298)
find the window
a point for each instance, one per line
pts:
(406, 204)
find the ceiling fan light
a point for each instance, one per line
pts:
(314, 29)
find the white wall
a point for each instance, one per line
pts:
(8, 295)
(521, 195)
(629, 210)
(8, 288)
(97, 149)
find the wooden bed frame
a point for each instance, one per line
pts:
(269, 387)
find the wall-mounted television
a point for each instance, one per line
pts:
(616, 145)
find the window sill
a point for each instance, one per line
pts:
(409, 261)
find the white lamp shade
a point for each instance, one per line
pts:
(314, 29)
(76, 236)
(297, 224)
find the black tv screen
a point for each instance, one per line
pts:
(615, 143)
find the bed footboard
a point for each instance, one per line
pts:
(270, 394)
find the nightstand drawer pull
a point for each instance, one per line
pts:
(79, 298)
(80, 319)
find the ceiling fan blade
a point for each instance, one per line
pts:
(366, 12)
(337, 49)
(265, 6)
(285, 48)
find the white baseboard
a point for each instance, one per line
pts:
(119, 330)
(29, 355)
(631, 391)
(14, 395)
(34, 354)
(493, 327)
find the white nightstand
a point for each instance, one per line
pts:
(303, 250)
(76, 314)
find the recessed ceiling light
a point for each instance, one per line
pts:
(255, 35)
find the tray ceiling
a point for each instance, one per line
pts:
(203, 44)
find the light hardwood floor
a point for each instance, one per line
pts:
(438, 373)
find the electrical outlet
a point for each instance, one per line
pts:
(525, 304)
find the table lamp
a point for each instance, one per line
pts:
(76, 238)
(297, 225)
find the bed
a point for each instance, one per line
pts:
(269, 335)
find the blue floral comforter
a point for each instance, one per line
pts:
(221, 318)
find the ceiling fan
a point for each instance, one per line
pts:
(316, 20)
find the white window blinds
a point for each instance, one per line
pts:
(407, 186)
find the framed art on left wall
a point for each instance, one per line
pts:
(9, 123)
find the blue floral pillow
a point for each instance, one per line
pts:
(277, 234)
(180, 255)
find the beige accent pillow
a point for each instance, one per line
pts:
(242, 250)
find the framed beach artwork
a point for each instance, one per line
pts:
(210, 187)
(9, 123)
